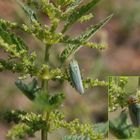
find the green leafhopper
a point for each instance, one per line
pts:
(134, 111)
(75, 76)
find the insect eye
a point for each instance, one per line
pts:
(132, 99)
(129, 101)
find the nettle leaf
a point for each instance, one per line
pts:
(75, 137)
(6, 65)
(72, 7)
(84, 37)
(78, 13)
(11, 38)
(49, 102)
(30, 90)
(30, 12)
(93, 29)
(101, 128)
(13, 116)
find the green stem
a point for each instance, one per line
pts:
(139, 83)
(47, 50)
(44, 133)
(110, 79)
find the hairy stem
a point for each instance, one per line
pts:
(44, 133)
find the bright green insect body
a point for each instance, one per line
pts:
(134, 111)
(75, 76)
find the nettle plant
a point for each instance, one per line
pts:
(129, 104)
(21, 60)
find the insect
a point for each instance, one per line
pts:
(134, 110)
(75, 76)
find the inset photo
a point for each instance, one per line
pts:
(124, 107)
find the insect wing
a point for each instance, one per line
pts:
(76, 76)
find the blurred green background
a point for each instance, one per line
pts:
(121, 35)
